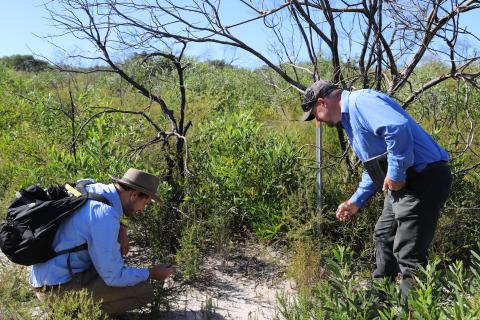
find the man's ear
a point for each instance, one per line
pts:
(134, 194)
(321, 102)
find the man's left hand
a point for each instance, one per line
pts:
(389, 184)
(123, 240)
(346, 210)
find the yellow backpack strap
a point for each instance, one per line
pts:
(72, 190)
(92, 196)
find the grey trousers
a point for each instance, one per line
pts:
(408, 221)
(115, 300)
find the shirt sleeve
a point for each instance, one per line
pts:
(379, 117)
(104, 249)
(365, 190)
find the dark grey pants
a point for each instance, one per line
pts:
(407, 224)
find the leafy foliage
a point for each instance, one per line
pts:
(25, 63)
(15, 293)
(247, 172)
(74, 305)
(436, 294)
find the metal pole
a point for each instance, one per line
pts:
(318, 184)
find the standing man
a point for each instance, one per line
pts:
(417, 180)
(100, 269)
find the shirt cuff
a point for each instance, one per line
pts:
(359, 198)
(143, 274)
(395, 172)
(133, 276)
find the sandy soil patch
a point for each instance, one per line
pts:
(240, 285)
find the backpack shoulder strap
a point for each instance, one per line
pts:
(74, 249)
(97, 197)
(81, 191)
(81, 184)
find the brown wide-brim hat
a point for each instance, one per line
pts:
(141, 181)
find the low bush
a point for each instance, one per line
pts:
(17, 300)
(245, 173)
(73, 305)
(438, 293)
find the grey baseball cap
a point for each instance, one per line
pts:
(319, 89)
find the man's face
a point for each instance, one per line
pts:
(327, 111)
(135, 203)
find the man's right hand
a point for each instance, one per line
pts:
(161, 271)
(346, 210)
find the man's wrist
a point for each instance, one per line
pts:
(353, 203)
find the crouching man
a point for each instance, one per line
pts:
(100, 269)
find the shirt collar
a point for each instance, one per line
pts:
(115, 198)
(110, 193)
(344, 101)
(345, 108)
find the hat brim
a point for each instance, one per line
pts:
(307, 115)
(136, 187)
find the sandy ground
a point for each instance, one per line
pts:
(241, 284)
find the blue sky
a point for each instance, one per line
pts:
(21, 19)
(18, 21)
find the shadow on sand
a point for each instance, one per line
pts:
(171, 315)
(187, 315)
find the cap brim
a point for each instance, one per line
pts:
(133, 186)
(307, 116)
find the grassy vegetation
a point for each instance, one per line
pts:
(19, 302)
(251, 175)
(438, 293)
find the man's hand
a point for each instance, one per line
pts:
(123, 240)
(161, 271)
(346, 210)
(389, 184)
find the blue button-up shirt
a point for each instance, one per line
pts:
(375, 124)
(97, 224)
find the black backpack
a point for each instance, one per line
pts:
(27, 234)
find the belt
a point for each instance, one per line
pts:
(437, 164)
(412, 174)
(47, 288)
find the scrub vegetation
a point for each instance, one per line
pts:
(248, 172)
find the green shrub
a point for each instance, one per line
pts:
(438, 293)
(189, 257)
(25, 63)
(17, 299)
(305, 265)
(247, 172)
(74, 305)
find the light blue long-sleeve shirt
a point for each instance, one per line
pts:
(98, 225)
(375, 124)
